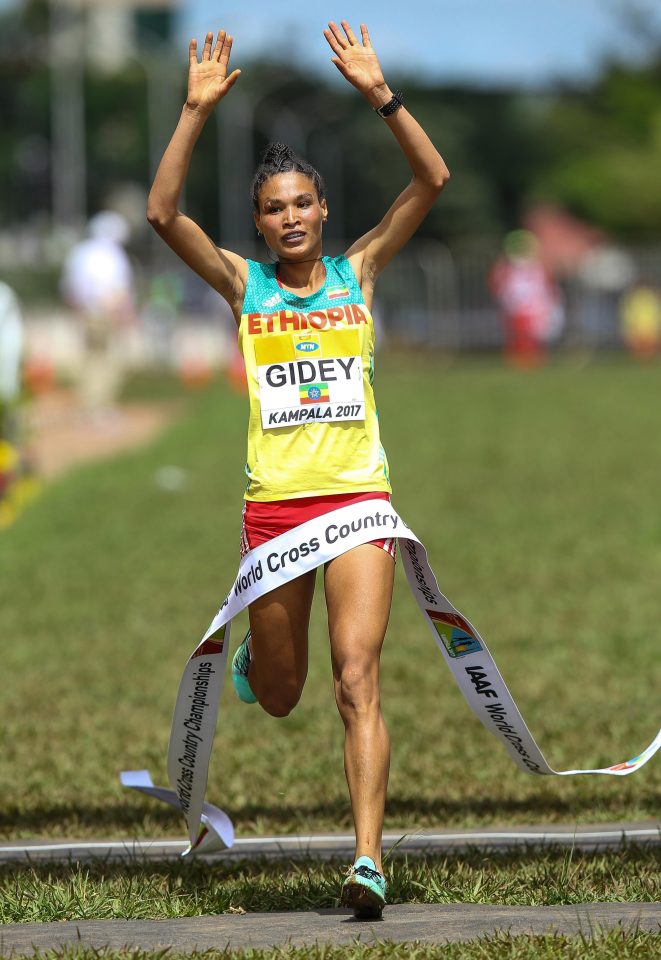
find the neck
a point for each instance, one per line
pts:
(302, 274)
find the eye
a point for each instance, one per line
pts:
(305, 203)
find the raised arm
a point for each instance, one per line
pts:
(359, 64)
(208, 83)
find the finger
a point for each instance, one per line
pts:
(365, 35)
(337, 33)
(233, 77)
(192, 51)
(341, 66)
(208, 40)
(353, 40)
(332, 42)
(225, 52)
(218, 49)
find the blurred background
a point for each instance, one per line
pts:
(518, 386)
(547, 240)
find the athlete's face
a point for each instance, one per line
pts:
(291, 216)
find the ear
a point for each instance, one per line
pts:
(257, 217)
(324, 209)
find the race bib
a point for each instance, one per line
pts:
(310, 377)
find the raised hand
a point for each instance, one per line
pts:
(355, 59)
(207, 79)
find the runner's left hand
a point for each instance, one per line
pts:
(356, 60)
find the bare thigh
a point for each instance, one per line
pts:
(279, 624)
(358, 586)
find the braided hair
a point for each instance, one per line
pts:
(279, 158)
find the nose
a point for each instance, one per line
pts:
(291, 214)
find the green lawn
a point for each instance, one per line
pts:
(141, 891)
(539, 500)
(538, 497)
(613, 946)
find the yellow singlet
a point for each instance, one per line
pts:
(313, 428)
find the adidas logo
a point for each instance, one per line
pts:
(271, 302)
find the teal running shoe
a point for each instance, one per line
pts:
(240, 666)
(364, 890)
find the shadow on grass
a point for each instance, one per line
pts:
(131, 819)
(520, 811)
(145, 889)
(194, 872)
(74, 821)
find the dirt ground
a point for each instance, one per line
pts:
(61, 436)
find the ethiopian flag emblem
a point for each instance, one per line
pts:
(314, 393)
(334, 293)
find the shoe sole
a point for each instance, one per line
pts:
(365, 904)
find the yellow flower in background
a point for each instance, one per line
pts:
(8, 457)
(15, 490)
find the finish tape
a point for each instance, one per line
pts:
(280, 560)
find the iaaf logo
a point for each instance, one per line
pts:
(454, 632)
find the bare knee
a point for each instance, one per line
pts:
(357, 689)
(280, 701)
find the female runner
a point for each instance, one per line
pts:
(300, 467)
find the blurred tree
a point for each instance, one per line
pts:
(604, 153)
(491, 141)
(596, 151)
(24, 99)
(604, 143)
(115, 115)
(117, 130)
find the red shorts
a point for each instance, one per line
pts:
(264, 521)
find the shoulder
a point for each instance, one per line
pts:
(363, 268)
(261, 285)
(257, 269)
(260, 274)
(344, 269)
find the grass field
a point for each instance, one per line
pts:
(613, 946)
(538, 498)
(142, 891)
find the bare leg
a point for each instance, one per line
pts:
(279, 624)
(359, 588)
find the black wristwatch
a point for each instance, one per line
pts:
(392, 106)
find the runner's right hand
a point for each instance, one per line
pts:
(207, 79)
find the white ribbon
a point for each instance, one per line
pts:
(283, 559)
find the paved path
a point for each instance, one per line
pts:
(424, 922)
(340, 846)
(61, 437)
(427, 923)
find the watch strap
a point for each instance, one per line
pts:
(392, 106)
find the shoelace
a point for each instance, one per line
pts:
(366, 872)
(244, 658)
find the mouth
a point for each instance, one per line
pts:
(293, 238)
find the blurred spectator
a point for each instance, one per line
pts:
(11, 349)
(11, 346)
(98, 282)
(529, 300)
(640, 319)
